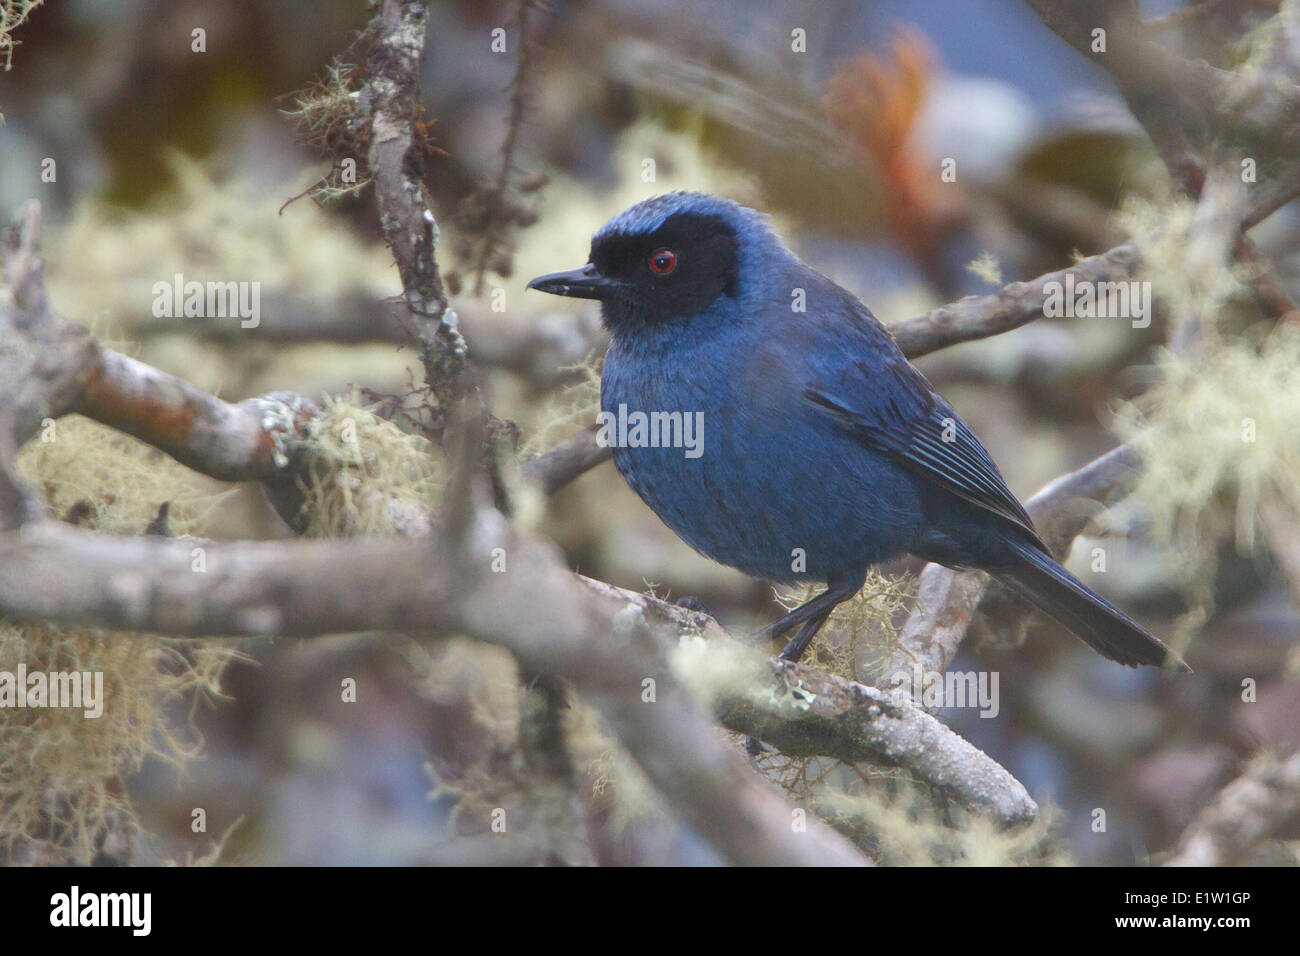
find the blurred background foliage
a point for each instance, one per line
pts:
(171, 161)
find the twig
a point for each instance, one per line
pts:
(556, 467)
(979, 317)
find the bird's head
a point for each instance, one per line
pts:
(664, 260)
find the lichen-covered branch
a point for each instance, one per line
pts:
(396, 36)
(806, 712)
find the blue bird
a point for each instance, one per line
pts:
(819, 449)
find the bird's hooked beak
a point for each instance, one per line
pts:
(582, 283)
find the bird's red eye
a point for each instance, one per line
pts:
(663, 261)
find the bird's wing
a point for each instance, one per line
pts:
(890, 406)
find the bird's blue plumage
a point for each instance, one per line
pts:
(824, 497)
(824, 450)
(647, 216)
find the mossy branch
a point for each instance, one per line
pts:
(396, 38)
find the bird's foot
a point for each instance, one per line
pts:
(692, 603)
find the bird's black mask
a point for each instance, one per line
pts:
(673, 272)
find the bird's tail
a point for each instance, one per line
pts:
(1034, 575)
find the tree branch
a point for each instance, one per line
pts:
(805, 712)
(397, 36)
(248, 441)
(979, 317)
